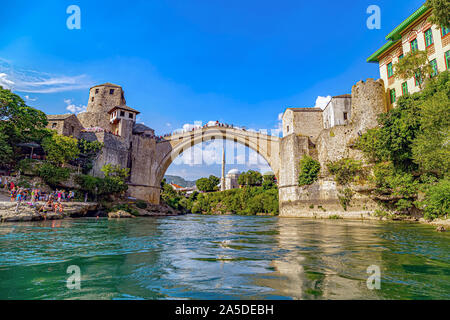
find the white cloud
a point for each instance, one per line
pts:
(28, 98)
(5, 82)
(74, 108)
(321, 102)
(31, 81)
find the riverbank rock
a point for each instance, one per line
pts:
(440, 229)
(154, 210)
(26, 212)
(120, 215)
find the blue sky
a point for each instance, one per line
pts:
(240, 62)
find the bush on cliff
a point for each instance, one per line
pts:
(410, 149)
(309, 171)
(436, 203)
(346, 171)
(52, 175)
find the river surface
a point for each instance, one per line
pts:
(223, 257)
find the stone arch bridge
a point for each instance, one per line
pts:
(148, 169)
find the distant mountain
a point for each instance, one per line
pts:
(179, 181)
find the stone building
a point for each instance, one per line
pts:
(102, 99)
(321, 198)
(65, 124)
(302, 121)
(415, 33)
(231, 179)
(338, 111)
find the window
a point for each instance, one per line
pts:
(428, 37)
(130, 115)
(447, 58)
(404, 88)
(92, 99)
(345, 115)
(122, 113)
(287, 129)
(434, 68)
(96, 91)
(444, 31)
(393, 97)
(400, 57)
(390, 70)
(418, 78)
(54, 124)
(111, 91)
(414, 45)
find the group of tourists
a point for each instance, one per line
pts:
(53, 200)
(215, 124)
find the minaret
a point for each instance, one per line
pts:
(222, 181)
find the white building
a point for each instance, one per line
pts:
(415, 33)
(231, 179)
(338, 111)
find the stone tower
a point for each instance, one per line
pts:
(102, 99)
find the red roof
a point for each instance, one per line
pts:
(176, 186)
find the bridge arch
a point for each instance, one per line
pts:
(265, 145)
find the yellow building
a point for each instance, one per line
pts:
(415, 33)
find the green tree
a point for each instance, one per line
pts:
(436, 202)
(414, 64)
(269, 181)
(207, 184)
(116, 172)
(431, 148)
(440, 12)
(60, 149)
(309, 171)
(18, 124)
(250, 178)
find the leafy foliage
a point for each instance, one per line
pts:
(431, 148)
(53, 175)
(346, 171)
(269, 181)
(414, 64)
(309, 171)
(245, 201)
(436, 203)
(250, 178)
(60, 149)
(410, 147)
(18, 124)
(114, 182)
(208, 184)
(441, 12)
(89, 151)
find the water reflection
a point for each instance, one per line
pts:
(222, 257)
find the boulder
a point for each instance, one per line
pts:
(440, 229)
(120, 215)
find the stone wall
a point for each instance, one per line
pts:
(67, 125)
(322, 197)
(303, 121)
(115, 151)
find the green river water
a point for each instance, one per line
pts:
(223, 257)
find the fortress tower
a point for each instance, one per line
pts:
(102, 99)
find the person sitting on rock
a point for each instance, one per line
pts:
(47, 206)
(58, 207)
